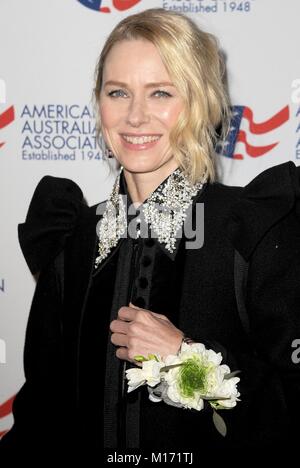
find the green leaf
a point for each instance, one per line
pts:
(214, 398)
(140, 358)
(166, 368)
(219, 423)
(232, 374)
(152, 356)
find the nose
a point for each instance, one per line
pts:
(137, 113)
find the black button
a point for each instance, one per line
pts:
(139, 302)
(149, 242)
(146, 261)
(143, 282)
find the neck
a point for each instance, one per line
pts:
(141, 185)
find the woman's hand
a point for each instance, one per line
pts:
(141, 332)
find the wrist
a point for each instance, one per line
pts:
(185, 339)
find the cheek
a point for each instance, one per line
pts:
(169, 116)
(108, 115)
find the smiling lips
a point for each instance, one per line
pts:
(139, 142)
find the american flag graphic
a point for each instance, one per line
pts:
(6, 118)
(229, 147)
(120, 5)
(5, 410)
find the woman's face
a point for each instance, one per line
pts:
(139, 106)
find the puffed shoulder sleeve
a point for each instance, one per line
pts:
(52, 216)
(263, 203)
(264, 228)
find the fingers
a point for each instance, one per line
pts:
(125, 354)
(128, 354)
(140, 331)
(127, 313)
(122, 353)
(119, 339)
(125, 316)
(119, 326)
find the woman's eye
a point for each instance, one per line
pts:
(116, 93)
(120, 93)
(162, 93)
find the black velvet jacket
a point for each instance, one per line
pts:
(70, 364)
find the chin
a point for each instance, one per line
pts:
(138, 167)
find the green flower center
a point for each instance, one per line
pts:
(192, 377)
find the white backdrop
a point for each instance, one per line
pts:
(48, 52)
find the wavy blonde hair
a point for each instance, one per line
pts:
(192, 59)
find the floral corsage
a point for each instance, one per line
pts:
(187, 380)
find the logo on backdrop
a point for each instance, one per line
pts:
(8, 115)
(238, 138)
(185, 6)
(102, 5)
(209, 6)
(59, 132)
(5, 410)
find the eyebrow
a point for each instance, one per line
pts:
(148, 85)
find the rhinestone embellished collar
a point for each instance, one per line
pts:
(164, 212)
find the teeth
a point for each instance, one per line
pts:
(140, 140)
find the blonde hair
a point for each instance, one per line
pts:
(192, 59)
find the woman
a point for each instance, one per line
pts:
(105, 297)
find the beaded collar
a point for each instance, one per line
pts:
(164, 212)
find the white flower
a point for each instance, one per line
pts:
(207, 355)
(228, 390)
(149, 374)
(193, 402)
(198, 376)
(187, 379)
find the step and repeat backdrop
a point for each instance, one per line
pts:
(48, 53)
